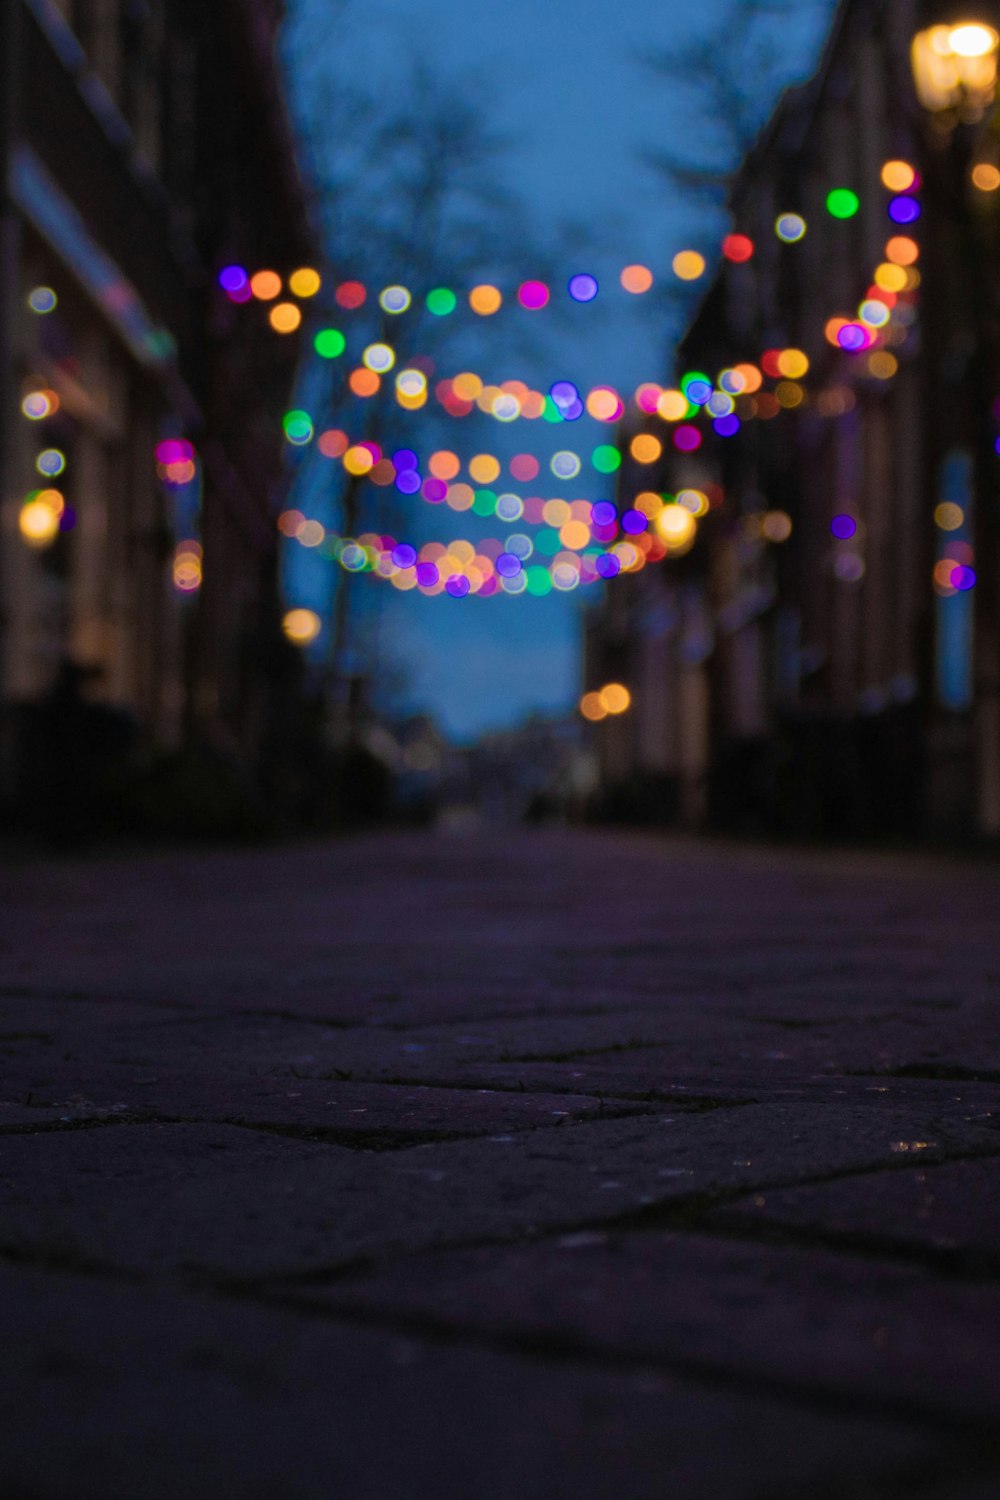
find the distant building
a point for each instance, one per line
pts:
(809, 667)
(144, 145)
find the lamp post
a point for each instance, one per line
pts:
(955, 68)
(955, 76)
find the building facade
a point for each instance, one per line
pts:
(144, 145)
(825, 660)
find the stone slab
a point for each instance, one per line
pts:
(117, 1390)
(953, 1208)
(228, 1202)
(869, 1333)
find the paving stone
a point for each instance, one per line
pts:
(233, 1201)
(60, 1094)
(954, 1207)
(875, 1335)
(117, 1390)
(785, 1022)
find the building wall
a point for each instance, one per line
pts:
(148, 147)
(845, 695)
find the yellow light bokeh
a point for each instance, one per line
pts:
(53, 499)
(883, 365)
(592, 708)
(358, 460)
(688, 265)
(484, 468)
(648, 504)
(575, 535)
(986, 177)
(645, 448)
(972, 40)
(305, 282)
(285, 317)
(672, 406)
(898, 176)
(789, 394)
(890, 278)
(38, 523)
(752, 378)
(793, 364)
(301, 626)
(676, 526)
(485, 300)
(615, 698)
(948, 516)
(467, 386)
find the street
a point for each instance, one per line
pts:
(542, 1164)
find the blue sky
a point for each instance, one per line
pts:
(565, 80)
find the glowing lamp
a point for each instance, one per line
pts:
(955, 67)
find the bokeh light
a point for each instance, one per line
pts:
(485, 300)
(606, 459)
(645, 448)
(898, 176)
(50, 462)
(379, 357)
(265, 285)
(676, 527)
(948, 516)
(441, 301)
(38, 523)
(40, 404)
(688, 265)
(790, 228)
(842, 203)
(533, 294)
(615, 698)
(637, 279)
(285, 317)
(305, 282)
(394, 299)
(583, 287)
(902, 251)
(301, 626)
(986, 177)
(42, 299)
(364, 383)
(329, 343)
(737, 248)
(673, 406)
(350, 294)
(904, 210)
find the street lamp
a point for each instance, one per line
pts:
(955, 73)
(955, 68)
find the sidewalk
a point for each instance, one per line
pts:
(558, 1166)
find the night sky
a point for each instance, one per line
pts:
(565, 79)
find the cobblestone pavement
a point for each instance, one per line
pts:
(558, 1166)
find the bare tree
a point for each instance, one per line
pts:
(412, 192)
(729, 75)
